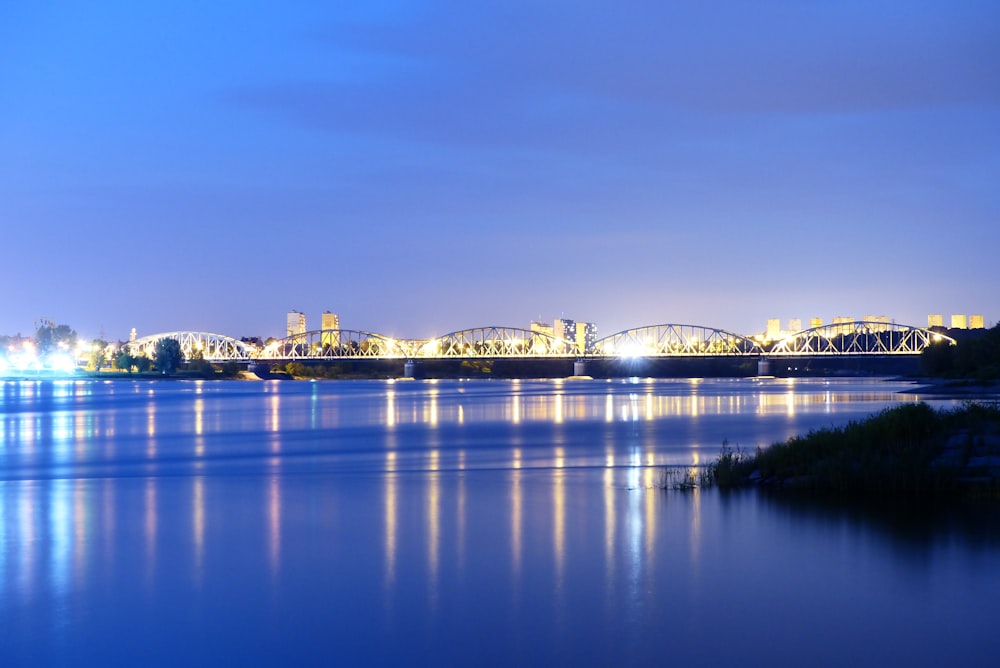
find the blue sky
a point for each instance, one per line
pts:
(423, 167)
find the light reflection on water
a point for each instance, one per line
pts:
(466, 522)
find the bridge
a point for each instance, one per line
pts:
(858, 339)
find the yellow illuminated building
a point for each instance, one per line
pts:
(586, 336)
(958, 322)
(773, 331)
(842, 320)
(935, 320)
(296, 323)
(977, 322)
(882, 320)
(330, 322)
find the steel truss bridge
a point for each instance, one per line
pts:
(858, 338)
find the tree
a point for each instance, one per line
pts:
(141, 363)
(49, 337)
(168, 355)
(197, 364)
(126, 360)
(96, 357)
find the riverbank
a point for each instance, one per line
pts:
(958, 388)
(904, 450)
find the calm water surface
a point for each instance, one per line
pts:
(463, 523)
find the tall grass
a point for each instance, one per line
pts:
(889, 452)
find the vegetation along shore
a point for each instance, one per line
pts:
(910, 449)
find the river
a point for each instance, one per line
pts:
(461, 523)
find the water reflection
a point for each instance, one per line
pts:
(151, 520)
(527, 515)
(390, 523)
(274, 524)
(198, 527)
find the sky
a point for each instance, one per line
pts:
(424, 167)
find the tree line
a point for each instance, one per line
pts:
(976, 356)
(168, 358)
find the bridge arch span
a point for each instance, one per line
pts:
(335, 344)
(859, 337)
(494, 342)
(213, 347)
(675, 340)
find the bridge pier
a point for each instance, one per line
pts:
(763, 367)
(412, 369)
(580, 368)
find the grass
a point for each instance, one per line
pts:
(894, 452)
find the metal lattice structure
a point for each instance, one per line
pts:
(494, 342)
(335, 344)
(860, 337)
(213, 347)
(674, 340)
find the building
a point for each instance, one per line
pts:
(976, 322)
(958, 322)
(794, 325)
(564, 330)
(843, 324)
(935, 320)
(541, 328)
(541, 332)
(296, 323)
(330, 324)
(882, 322)
(586, 336)
(773, 331)
(815, 322)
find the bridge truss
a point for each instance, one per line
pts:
(674, 340)
(666, 340)
(335, 344)
(860, 337)
(213, 347)
(494, 342)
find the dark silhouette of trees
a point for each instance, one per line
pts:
(976, 355)
(168, 355)
(49, 337)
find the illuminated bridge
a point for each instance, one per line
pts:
(853, 339)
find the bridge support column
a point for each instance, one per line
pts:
(580, 368)
(412, 369)
(763, 367)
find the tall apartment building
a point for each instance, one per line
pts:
(977, 322)
(331, 329)
(958, 322)
(773, 331)
(564, 329)
(935, 320)
(586, 336)
(794, 325)
(815, 322)
(296, 323)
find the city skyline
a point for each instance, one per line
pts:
(421, 168)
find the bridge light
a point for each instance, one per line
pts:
(632, 350)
